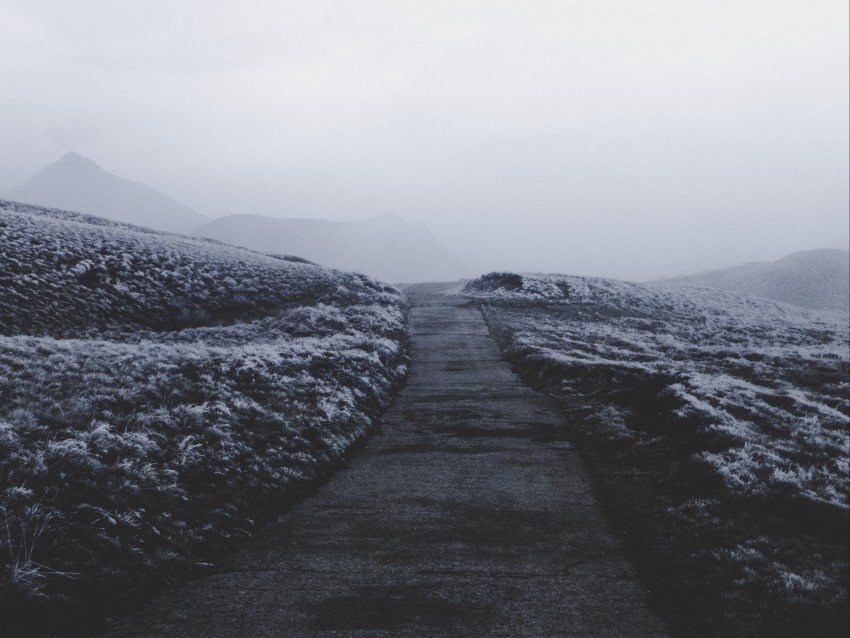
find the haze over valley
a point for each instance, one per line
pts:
(633, 140)
(400, 318)
(390, 248)
(385, 246)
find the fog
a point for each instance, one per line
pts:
(632, 139)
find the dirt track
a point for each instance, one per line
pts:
(468, 514)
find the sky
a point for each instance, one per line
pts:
(632, 139)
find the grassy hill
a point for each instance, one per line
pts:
(162, 395)
(716, 428)
(78, 275)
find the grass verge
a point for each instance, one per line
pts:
(715, 430)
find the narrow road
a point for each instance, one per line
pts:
(467, 514)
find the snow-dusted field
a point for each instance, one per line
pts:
(748, 398)
(160, 392)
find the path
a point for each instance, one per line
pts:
(468, 514)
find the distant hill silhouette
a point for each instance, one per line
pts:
(386, 247)
(76, 183)
(817, 279)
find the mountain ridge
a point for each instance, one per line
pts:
(818, 279)
(77, 183)
(387, 246)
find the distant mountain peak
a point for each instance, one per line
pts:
(74, 159)
(73, 155)
(77, 183)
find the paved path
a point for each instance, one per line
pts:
(468, 514)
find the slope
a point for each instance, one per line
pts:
(163, 396)
(76, 183)
(716, 428)
(816, 279)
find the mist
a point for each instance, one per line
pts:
(624, 139)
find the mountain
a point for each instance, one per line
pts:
(817, 279)
(76, 183)
(386, 247)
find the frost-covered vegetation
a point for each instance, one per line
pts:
(159, 393)
(735, 408)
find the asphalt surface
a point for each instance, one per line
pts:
(467, 514)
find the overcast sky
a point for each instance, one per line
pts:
(634, 139)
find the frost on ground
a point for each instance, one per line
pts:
(748, 397)
(160, 392)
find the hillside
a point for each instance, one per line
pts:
(83, 276)
(386, 247)
(816, 279)
(76, 183)
(716, 428)
(162, 396)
